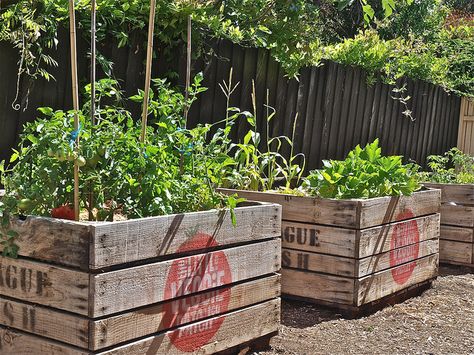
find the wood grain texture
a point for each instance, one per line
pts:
(121, 242)
(381, 284)
(456, 252)
(59, 241)
(146, 321)
(379, 262)
(459, 234)
(379, 239)
(461, 194)
(354, 213)
(44, 284)
(46, 322)
(457, 215)
(382, 210)
(316, 286)
(238, 327)
(129, 288)
(13, 342)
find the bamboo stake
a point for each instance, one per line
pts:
(93, 76)
(188, 70)
(75, 100)
(149, 59)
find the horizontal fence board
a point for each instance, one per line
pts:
(456, 252)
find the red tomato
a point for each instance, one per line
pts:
(63, 212)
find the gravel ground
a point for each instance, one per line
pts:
(440, 321)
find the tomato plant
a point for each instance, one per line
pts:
(452, 167)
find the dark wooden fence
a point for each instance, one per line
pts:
(336, 108)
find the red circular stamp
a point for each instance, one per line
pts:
(190, 275)
(404, 247)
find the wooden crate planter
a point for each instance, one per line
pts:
(188, 283)
(456, 245)
(352, 254)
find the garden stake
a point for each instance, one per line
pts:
(93, 73)
(149, 59)
(75, 101)
(188, 71)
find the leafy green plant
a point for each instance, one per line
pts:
(365, 173)
(452, 167)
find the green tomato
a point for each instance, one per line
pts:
(80, 161)
(25, 204)
(70, 157)
(51, 153)
(60, 155)
(101, 151)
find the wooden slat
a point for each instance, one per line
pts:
(457, 215)
(381, 284)
(45, 284)
(383, 210)
(121, 242)
(345, 213)
(319, 239)
(456, 252)
(461, 194)
(458, 234)
(316, 286)
(376, 240)
(146, 321)
(60, 241)
(125, 289)
(238, 327)
(307, 209)
(16, 343)
(50, 323)
(383, 261)
(328, 264)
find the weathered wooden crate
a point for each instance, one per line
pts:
(351, 254)
(188, 283)
(456, 245)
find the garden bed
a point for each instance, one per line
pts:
(173, 284)
(457, 223)
(351, 254)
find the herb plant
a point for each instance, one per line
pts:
(365, 173)
(452, 167)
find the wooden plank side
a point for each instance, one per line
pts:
(384, 210)
(46, 322)
(455, 252)
(237, 327)
(146, 321)
(458, 234)
(319, 239)
(344, 213)
(311, 285)
(396, 257)
(307, 209)
(328, 264)
(44, 284)
(457, 215)
(125, 289)
(461, 194)
(48, 239)
(377, 240)
(120, 242)
(16, 343)
(387, 282)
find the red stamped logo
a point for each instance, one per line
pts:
(190, 275)
(404, 248)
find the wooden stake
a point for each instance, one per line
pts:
(75, 100)
(149, 59)
(188, 70)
